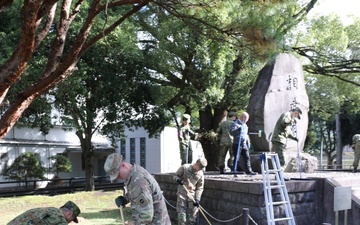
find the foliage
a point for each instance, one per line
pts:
(27, 165)
(61, 164)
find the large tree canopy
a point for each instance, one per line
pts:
(199, 56)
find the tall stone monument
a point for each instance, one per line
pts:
(279, 87)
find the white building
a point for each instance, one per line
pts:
(157, 155)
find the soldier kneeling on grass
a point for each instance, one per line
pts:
(49, 215)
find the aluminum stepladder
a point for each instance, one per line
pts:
(280, 186)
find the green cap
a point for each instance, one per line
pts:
(74, 208)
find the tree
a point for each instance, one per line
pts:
(255, 30)
(204, 73)
(332, 64)
(61, 164)
(27, 165)
(64, 51)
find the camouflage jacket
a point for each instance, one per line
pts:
(147, 201)
(283, 129)
(40, 216)
(185, 133)
(224, 130)
(193, 181)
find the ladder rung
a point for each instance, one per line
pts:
(277, 186)
(280, 203)
(282, 219)
(274, 170)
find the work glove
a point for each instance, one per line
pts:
(196, 203)
(180, 181)
(121, 201)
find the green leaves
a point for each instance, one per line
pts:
(27, 165)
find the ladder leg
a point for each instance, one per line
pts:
(280, 186)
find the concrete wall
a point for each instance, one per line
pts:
(225, 197)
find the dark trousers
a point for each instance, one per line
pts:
(244, 155)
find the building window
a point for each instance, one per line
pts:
(142, 152)
(123, 147)
(3, 157)
(132, 150)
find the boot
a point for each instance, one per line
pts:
(354, 170)
(221, 169)
(250, 172)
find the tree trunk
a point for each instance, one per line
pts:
(88, 153)
(209, 122)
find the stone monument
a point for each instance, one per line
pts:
(279, 87)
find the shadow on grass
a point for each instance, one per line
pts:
(111, 214)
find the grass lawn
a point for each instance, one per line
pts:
(96, 207)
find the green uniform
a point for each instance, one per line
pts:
(226, 142)
(40, 216)
(185, 134)
(194, 182)
(356, 147)
(282, 131)
(147, 201)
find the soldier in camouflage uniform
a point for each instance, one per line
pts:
(226, 142)
(356, 147)
(141, 190)
(283, 131)
(48, 215)
(191, 177)
(185, 133)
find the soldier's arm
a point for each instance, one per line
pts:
(235, 129)
(142, 204)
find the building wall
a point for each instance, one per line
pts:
(160, 155)
(157, 155)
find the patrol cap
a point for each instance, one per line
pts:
(112, 165)
(186, 117)
(297, 109)
(74, 208)
(232, 114)
(202, 162)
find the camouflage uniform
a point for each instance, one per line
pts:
(282, 131)
(356, 148)
(226, 141)
(194, 182)
(147, 201)
(184, 140)
(40, 216)
(238, 127)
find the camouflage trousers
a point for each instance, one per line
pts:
(356, 154)
(186, 212)
(224, 148)
(185, 150)
(279, 148)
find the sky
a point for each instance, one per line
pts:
(340, 7)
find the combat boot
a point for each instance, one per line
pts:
(354, 170)
(221, 169)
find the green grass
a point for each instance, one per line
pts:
(96, 207)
